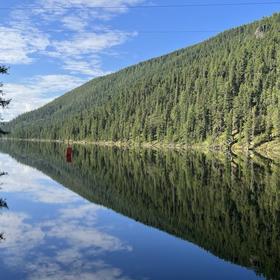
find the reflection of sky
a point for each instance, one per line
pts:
(52, 233)
(66, 243)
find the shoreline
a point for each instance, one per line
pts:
(270, 150)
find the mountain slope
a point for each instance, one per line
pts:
(224, 90)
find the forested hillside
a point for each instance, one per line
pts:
(222, 91)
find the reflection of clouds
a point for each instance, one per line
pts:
(99, 241)
(20, 236)
(53, 272)
(25, 179)
(84, 244)
(87, 234)
(69, 245)
(88, 211)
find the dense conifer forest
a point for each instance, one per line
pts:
(225, 90)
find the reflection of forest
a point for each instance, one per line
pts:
(3, 204)
(229, 209)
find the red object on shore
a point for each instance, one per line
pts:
(69, 153)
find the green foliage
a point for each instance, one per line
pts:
(230, 208)
(226, 85)
(3, 102)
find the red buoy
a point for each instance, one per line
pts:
(69, 153)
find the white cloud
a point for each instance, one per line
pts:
(18, 45)
(75, 22)
(37, 91)
(92, 68)
(27, 33)
(103, 6)
(89, 43)
(80, 54)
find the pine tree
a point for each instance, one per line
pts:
(3, 102)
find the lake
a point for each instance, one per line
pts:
(109, 213)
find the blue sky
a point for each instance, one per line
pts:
(53, 46)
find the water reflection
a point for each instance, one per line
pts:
(3, 205)
(230, 208)
(67, 257)
(56, 242)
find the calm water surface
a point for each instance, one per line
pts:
(115, 214)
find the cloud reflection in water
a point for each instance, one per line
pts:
(66, 242)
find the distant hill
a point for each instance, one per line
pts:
(222, 91)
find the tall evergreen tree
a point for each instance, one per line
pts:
(3, 102)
